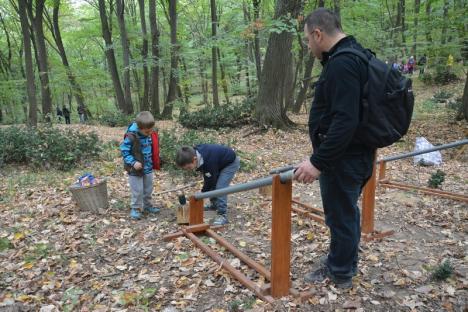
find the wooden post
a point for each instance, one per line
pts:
(368, 203)
(280, 237)
(196, 211)
(382, 168)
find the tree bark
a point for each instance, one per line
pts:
(37, 24)
(443, 38)
(224, 82)
(30, 84)
(214, 58)
(465, 98)
(402, 7)
(417, 4)
(172, 93)
(270, 108)
(112, 64)
(258, 57)
(74, 85)
(144, 55)
(428, 18)
(154, 86)
(120, 13)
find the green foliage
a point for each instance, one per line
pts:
(115, 119)
(429, 105)
(5, 244)
(225, 116)
(443, 75)
(442, 271)
(442, 95)
(248, 161)
(436, 179)
(47, 147)
(426, 78)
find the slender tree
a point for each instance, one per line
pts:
(37, 24)
(256, 25)
(112, 64)
(120, 13)
(443, 37)
(56, 34)
(214, 57)
(154, 85)
(172, 94)
(30, 84)
(144, 55)
(417, 4)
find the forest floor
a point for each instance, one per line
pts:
(55, 257)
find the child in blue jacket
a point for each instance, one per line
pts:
(218, 164)
(140, 152)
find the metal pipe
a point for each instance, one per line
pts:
(432, 149)
(282, 169)
(284, 177)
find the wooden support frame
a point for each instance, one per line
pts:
(196, 211)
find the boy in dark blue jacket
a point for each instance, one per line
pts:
(218, 164)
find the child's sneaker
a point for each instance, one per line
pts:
(220, 220)
(152, 210)
(135, 214)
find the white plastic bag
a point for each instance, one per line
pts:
(428, 159)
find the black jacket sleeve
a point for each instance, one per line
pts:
(343, 91)
(210, 177)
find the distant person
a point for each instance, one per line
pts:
(140, 152)
(422, 64)
(82, 114)
(218, 164)
(411, 63)
(59, 115)
(66, 114)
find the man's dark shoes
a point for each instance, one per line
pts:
(319, 276)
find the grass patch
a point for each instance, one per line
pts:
(442, 271)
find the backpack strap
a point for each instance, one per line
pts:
(356, 52)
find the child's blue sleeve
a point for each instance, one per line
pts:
(126, 151)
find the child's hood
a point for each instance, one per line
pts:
(133, 128)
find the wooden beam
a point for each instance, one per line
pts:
(280, 237)
(309, 214)
(309, 207)
(191, 228)
(244, 280)
(196, 211)
(425, 190)
(239, 254)
(368, 203)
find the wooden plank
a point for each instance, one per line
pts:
(309, 207)
(196, 211)
(244, 280)
(308, 214)
(368, 203)
(191, 228)
(425, 190)
(280, 237)
(239, 254)
(382, 170)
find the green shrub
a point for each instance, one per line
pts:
(225, 116)
(47, 147)
(442, 95)
(436, 179)
(426, 78)
(442, 271)
(443, 75)
(115, 119)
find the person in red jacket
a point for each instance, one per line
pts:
(140, 152)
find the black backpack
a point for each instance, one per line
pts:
(387, 103)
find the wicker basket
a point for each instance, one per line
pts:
(91, 198)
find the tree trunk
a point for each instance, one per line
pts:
(112, 64)
(443, 38)
(172, 93)
(428, 18)
(74, 85)
(224, 82)
(7, 62)
(258, 58)
(144, 54)
(154, 86)
(465, 98)
(214, 58)
(186, 82)
(120, 13)
(337, 8)
(417, 4)
(277, 67)
(402, 7)
(37, 24)
(30, 84)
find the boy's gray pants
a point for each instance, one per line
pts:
(141, 189)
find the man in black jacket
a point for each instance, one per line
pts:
(341, 164)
